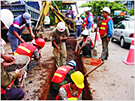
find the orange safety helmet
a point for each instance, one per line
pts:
(39, 42)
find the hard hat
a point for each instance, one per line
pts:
(86, 9)
(78, 78)
(39, 42)
(85, 32)
(83, 16)
(106, 9)
(27, 17)
(7, 17)
(61, 26)
(72, 63)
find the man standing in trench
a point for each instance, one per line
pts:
(106, 32)
(59, 36)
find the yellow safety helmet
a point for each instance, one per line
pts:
(78, 78)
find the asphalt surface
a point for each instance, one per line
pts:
(114, 80)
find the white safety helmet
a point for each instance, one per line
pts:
(86, 9)
(85, 32)
(7, 17)
(61, 26)
(106, 9)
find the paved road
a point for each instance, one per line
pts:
(114, 80)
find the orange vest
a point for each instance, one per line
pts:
(87, 21)
(60, 74)
(88, 38)
(103, 27)
(25, 49)
(69, 95)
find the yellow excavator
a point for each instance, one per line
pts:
(58, 15)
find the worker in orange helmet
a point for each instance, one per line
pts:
(31, 50)
(74, 89)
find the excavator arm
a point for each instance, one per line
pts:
(45, 8)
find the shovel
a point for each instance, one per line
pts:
(94, 51)
(93, 69)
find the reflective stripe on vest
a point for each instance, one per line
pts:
(61, 73)
(16, 53)
(104, 27)
(25, 49)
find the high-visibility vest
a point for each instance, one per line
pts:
(88, 38)
(25, 49)
(69, 95)
(103, 27)
(84, 23)
(61, 73)
(86, 20)
(3, 91)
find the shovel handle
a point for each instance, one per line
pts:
(95, 38)
(93, 69)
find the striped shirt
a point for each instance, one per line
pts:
(18, 25)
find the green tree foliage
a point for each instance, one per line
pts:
(97, 6)
(131, 12)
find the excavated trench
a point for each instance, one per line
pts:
(43, 92)
(71, 43)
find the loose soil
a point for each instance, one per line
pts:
(14, 67)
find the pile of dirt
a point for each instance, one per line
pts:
(37, 84)
(14, 67)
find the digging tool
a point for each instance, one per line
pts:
(93, 69)
(94, 51)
